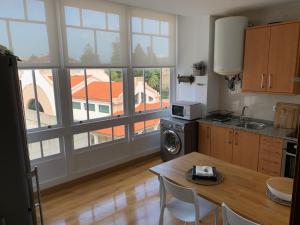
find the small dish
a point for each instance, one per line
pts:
(281, 187)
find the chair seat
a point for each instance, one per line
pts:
(186, 211)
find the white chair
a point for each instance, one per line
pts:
(230, 217)
(185, 204)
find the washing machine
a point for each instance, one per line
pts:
(178, 137)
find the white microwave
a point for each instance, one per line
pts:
(186, 110)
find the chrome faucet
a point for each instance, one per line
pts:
(242, 117)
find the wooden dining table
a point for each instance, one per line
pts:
(243, 190)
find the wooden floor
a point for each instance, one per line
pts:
(130, 196)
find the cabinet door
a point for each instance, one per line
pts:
(221, 143)
(283, 58)
(270, 155)
(204, 139)
(256, 59)
(245, 149)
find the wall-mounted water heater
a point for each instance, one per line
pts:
(229, 45)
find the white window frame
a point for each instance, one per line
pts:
(67, 128)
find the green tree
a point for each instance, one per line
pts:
(116, 75)
(152, 77)
(89, 57)
(116, 54)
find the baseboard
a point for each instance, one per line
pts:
(91, 176)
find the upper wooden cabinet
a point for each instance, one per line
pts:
(256, 59)
(271, 59)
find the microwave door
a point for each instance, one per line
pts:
(178, 110)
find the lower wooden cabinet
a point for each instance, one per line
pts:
(270, 155)
(204, 139)
(245, 149)
(221, 143)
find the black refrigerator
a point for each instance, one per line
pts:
(17, 205)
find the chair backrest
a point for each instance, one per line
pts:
(231, 218)
(182, 193)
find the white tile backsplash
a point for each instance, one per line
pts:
(260, 105)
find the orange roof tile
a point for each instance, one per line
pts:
(99, 90)
(76, 79)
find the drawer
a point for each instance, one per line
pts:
(271, 154)
(266, 140)
(269, 167)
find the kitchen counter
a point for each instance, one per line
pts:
(269, 130)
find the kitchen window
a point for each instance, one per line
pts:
(76, 77)
(100, 136)
(152, 89)
(45, 148)
(39, 97)
(148, 126)
(102, 87)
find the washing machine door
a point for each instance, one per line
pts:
(171, 142)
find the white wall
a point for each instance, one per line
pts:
(260, 105)
(193, 46)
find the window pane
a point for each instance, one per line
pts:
(161, 47)
(35, 36)
(76, 105)
(109, 47)
(28, 98)
(35, 150)
(165, 89)
(141, 45)
(117, 92)
(46, 97)
(12, 9)
(81, 46)
(101, 136)
(81, 140)
(136, 24)
(139, 90)
(78, 91)
(113, 21)
(104, 108)
(152, 88)
(119, 132)
(72, 16)
(152, 125)
(164, 28)
(3, 34)
(98, 91)
(51, 147)
(93, 19)
(36, 10)
(151, 26)
(139, 128)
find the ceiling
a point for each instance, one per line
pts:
(202, 7)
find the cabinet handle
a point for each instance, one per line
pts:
(236, 134)
(230, 137)
(270, 80)
(262, 81)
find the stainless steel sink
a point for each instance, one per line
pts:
(252, 125)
